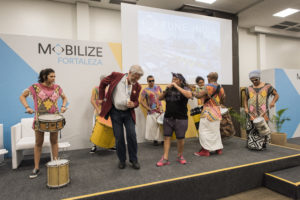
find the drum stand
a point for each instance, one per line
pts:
(64, 147)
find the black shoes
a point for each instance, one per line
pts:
(34, 173)
(135, 165)
(93, 149)
(156, 143)
(122, 165)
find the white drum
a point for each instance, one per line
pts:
(261, 126)
(224, 111)
(160, 119)
(58, 173)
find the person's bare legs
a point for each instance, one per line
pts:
(180, 147)
(39, 140)
(54, 145)
(167, 144)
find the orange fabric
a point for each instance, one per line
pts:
(104, 122)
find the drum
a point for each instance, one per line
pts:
(261, 126)
(50, 122)
(224, 111)
(103, 135)
(196, 111)
(58, 173)
(160, 119)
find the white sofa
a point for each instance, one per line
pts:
(1, 136)
(22, 138)
(2, 151)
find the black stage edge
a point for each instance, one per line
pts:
(286, 182)
(96, 176)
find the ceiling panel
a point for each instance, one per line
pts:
(251, 12)
(262, 14)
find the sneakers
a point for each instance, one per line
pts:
(112, 149)
(203, 152)
(181, 160)
(197, 153)
(34, 173)
(93, 149)
(162, 162)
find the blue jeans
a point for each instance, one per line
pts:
(120, 118)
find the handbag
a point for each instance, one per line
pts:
(226, 126)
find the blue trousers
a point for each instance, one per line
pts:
(119, 119)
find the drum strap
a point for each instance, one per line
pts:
(198, 110)
(216, 92)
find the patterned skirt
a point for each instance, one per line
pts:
(254, 140)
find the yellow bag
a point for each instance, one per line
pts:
(196, 118)
(102, 136)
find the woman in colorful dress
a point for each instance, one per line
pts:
(45, 95)
(256, 104)
(209, 130)
(150, 101)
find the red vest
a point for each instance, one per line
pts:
(112, 81)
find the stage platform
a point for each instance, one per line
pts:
(286, 181)
(97, 176)
(295, 140)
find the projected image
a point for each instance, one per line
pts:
(164, 41)
(177, 43)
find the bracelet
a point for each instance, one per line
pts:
(63, 106)
(27, 107)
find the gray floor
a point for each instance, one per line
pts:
(99, 172)
(261, 193)
(295, 140)
(290, 174)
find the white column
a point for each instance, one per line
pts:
(82, 21)
(261, 51)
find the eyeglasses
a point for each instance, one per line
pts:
(254, 79)
(151, 81)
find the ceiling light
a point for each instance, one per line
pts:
(206, 1)
(286, 12)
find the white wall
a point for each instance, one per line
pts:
(259, 51)
(282, 52)
(248, 60)
(59, 20)
(38, 18)
(105, 25)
